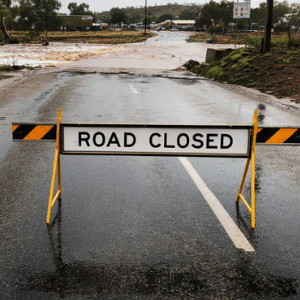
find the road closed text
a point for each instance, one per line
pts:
(155, 141)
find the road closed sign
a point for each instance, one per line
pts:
(168, 140)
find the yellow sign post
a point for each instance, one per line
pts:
(56, 168)
(251, 159)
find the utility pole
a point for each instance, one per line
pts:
(268, 29)
(145, 16)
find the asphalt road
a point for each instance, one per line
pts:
(138, 227)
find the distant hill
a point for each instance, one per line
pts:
(154, 12)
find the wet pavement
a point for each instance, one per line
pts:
(137, 227)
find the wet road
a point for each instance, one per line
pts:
(138, 227)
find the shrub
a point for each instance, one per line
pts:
(236, 56)
(215, 72)
(70, 27)
(286, 60)
(211, 40)
(216, 29)
(33, 35)
(13, 40)
(245, 62)
(1, 35)
(279, 41)
(295, 39)
(6, 68)
(253, 41)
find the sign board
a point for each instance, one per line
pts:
(278, 136)
(169, 140)
(241, 10)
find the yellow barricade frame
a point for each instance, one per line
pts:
(56, 169)
(251, 159)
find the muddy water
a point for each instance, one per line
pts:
(53, 55)
(167, 51)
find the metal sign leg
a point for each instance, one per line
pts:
(56, 167)
(251, 208)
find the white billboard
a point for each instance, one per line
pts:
(241, 10)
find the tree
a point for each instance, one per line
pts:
(106, 18)
(280, 9)
(7, 14)
(294, 19)
(39, 15)
(187, 14)
(81, 9)
(221, 13)
(226, 14)
(165, 17)
(118, 15)
(135, 18)
(258, 15)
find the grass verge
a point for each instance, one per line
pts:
(94, 37)
(276, 72)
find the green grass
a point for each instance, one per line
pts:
(6, 68)
(215, 72)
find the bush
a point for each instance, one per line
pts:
(191, 64)
(212, 40)
(13, 40)
(26, 39)
(253, 41)
(279, 41)
(70, 27)
(6, 68)
(216, 29)
(295, 39)
(33, 35)
(1, 35)
(215, 72)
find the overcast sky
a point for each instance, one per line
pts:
(106, 5)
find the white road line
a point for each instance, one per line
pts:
(230, 227)
(133, 89)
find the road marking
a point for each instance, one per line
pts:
(230, 227)
(133, 89)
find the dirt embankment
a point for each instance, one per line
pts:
(276, 72)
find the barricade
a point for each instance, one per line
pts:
(156, 140)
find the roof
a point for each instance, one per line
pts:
(184, 22)
(76, 16)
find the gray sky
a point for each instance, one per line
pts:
(106, 5)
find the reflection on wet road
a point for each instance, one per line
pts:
(137, 227)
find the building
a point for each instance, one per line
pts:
(100, 26)
(184, 24)
(77, 22)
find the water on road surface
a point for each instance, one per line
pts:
(138, 227)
